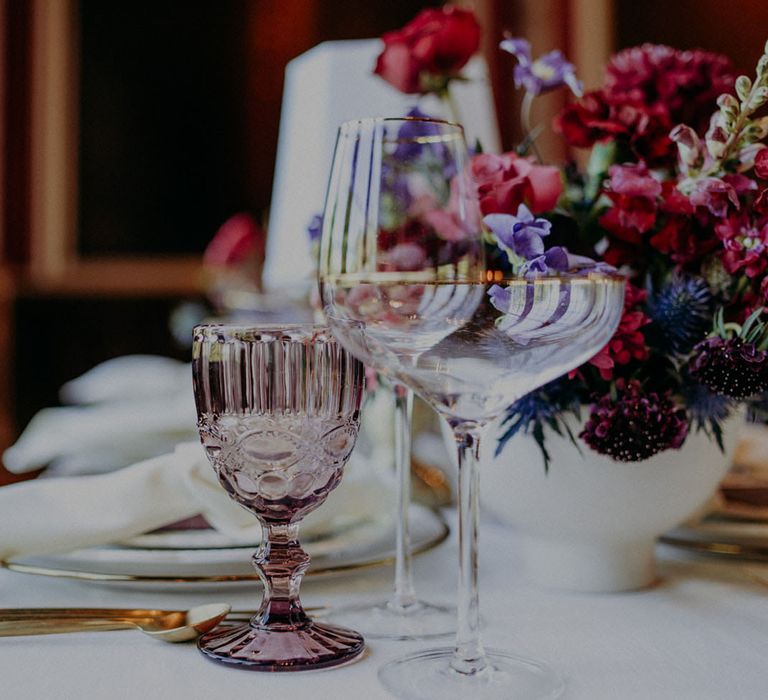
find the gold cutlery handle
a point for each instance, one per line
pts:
(33, 626)
(80, 613)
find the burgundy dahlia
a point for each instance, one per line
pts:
(635, 425)
(648, 90)
(730, 366)
(685, 84)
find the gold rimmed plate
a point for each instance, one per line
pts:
(717, 536)
(354, 549)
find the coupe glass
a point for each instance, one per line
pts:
(278, 414)
(416, 299)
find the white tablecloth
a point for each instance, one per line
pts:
(700, 634)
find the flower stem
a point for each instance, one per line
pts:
(453, 108)
(526, 109)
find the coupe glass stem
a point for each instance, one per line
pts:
(405, 595)
(281, 563)
(468, 656)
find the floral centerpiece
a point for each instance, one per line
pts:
(674, 194)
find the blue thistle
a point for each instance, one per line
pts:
(707, 410)
(544, 406)
(682, 312)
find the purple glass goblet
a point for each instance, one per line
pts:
(278, 414)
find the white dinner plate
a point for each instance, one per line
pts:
(362, 545)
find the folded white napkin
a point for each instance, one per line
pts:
(127, 378)
(131, 408)
(107, 435)
(61, 514)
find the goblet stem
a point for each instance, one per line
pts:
(281, 563)
(405, 594)
(468, 656)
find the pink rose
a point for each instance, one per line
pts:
(506, 181)
(460, 218)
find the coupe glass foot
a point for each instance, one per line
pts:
(428, 675)
(312, 646)
(385, 620)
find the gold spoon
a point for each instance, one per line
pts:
(166, 625)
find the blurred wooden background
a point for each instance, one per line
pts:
(129, 131)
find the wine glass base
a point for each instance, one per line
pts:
(384, 620)
(308, 647)
(428, 675)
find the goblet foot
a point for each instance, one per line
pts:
(427, 675)
(386, 620)
(310, 646)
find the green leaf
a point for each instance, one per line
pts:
(752, 319)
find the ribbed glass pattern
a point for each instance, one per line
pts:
(291, 370)
(278, 413)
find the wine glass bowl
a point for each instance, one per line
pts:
(402, 183)
(278, 415)
(466, 356)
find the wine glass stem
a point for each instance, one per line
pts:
(405, 595)
(281, 563)
(468, 656)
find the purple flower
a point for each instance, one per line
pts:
(500, 297)
(546, 73)
(555, 259)
(730, 367)
(558, 259)
(407, 145)
(635, 424)
(521, 234)
(315, 228)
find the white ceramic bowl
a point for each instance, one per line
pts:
(590, 524)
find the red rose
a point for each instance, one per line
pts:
(761, 164)
(505, 182)
(432, 48)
